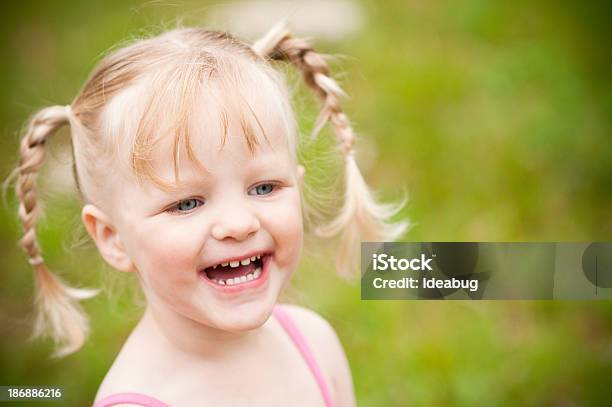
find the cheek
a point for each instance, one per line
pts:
(284, 223)
(167, 249)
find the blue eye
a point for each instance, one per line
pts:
(186, 205)
(262, 189)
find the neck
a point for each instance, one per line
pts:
(179, 333)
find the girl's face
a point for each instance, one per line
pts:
(244, 209)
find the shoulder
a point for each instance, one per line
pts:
(327, 349)
(125, 405)
(119, 378)
(313, 326)
(124, 394)
(130, 377)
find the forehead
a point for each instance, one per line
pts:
(164, 119)
(225, 126)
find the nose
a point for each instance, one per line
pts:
(236, 222)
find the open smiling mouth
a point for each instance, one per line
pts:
(236, 272)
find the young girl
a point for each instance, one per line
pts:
(185, 155)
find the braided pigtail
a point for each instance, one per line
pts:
(57, 311)
(361, 217)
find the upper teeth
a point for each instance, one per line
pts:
(236, 263)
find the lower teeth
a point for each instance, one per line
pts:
(243, 279)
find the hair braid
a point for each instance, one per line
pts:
(58, 313)
(361, 217)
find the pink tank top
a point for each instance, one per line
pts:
(294, 333)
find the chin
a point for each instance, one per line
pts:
(244, 317)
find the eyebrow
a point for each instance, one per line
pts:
(185, 186)
(253, 166)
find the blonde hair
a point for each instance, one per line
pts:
(157, 78)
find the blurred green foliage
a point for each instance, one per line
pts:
(495, 118)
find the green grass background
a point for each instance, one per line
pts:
(494, 116)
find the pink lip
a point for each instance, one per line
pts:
(249, 285)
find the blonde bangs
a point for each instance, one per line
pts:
(226, 85)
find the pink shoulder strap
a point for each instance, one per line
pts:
(130, 398)
(287, 322)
